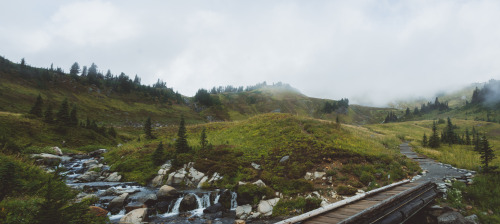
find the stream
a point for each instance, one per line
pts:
(138, 197)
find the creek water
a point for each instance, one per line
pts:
(204, 199)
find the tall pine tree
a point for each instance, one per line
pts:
(62, 115)
(158, 155)
(73, 119)
(434, 140)
(181, 144)
(203, 138)
(487, 155)
(147, 128)
(37, 108)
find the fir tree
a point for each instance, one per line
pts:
(181, 144)
(434, 139)
(147, 128)
(62, 115)
(203, 139)
(73, 119)
(158, 155)
(424, 141)
(487, 155)
(37, 108)
(74, 70)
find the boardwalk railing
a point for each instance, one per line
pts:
(338, 204)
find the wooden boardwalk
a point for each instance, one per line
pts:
(394, 203)
(349, 210)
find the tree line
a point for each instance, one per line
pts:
(449, 136)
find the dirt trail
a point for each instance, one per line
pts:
(436, 172)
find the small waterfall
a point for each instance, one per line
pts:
(217, 199)
(234, 203)
(175, 208)
(204, 201)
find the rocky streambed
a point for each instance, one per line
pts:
(132, 203)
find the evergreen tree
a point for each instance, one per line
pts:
(203, 138)
(37, 108)
(74, 70)
(48, 116)
(62, 115)
(467, 137)
(424, 141)
(73, 119)
(434, 139)
(337, 121)
(8, 180)
(407, 113)
(450, 136)
(181, 144)
(158, 155)
(84, 71)
(56, 197)
(147, 128)
(487, 155)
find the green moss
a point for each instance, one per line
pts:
(296, 206)
(346, 190)
(252, 194)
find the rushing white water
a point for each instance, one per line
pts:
(234, 203)
(117, 216)
(175, 209)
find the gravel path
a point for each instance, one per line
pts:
(432, 170)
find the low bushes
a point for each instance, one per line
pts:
(296, 206)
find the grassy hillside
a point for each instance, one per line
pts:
(348, 151)
(458, 155)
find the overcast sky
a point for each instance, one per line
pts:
(369, 51)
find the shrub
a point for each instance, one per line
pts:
(346, 190)
(252, 194)
(366, 178)
(296, 206)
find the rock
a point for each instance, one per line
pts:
(163, 206)
(134, 206)
(167, 165)
(110, 192)
(215, 177)
(117, 203)
(157, 181)
(114, 177)
(259, 183)
(308, 176)
(241, 183)
(266, 206)
(468, 207)
(97, 153)
(98, 211)
(136, 216)
(47, 159)
(318, 175)
(149, 200)
(451, 218)
(176, 177)
(57, 151)
(284, 159)
(188, 203)
(88, 176)
(225, 199)
(213, 208)
(202, 181)
(324, 204)
(239, 221)
(89, 163)
(256, 166)
(254, 215)
(472, 219)
(195, 175)
(91, 197)
(166, 193)
(243, 211)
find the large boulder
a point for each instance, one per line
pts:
(163, 206)
(194, 175)
(243, 211)
(451, 218)
(98, 211)
(110, 192)
(114, 177)
(166, 193)
(117, 203)
(133, 206)
(188, 203)
(136, 216)
(213, 208)
(259, 183)
(266, 206)
(202, 181)
(57, 151)
(176, 177)
(157, 181)
(88, 176)
(149, 200)
(90, 163)
(97, 153)
(47, 159)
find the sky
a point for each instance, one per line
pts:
(370, 51)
